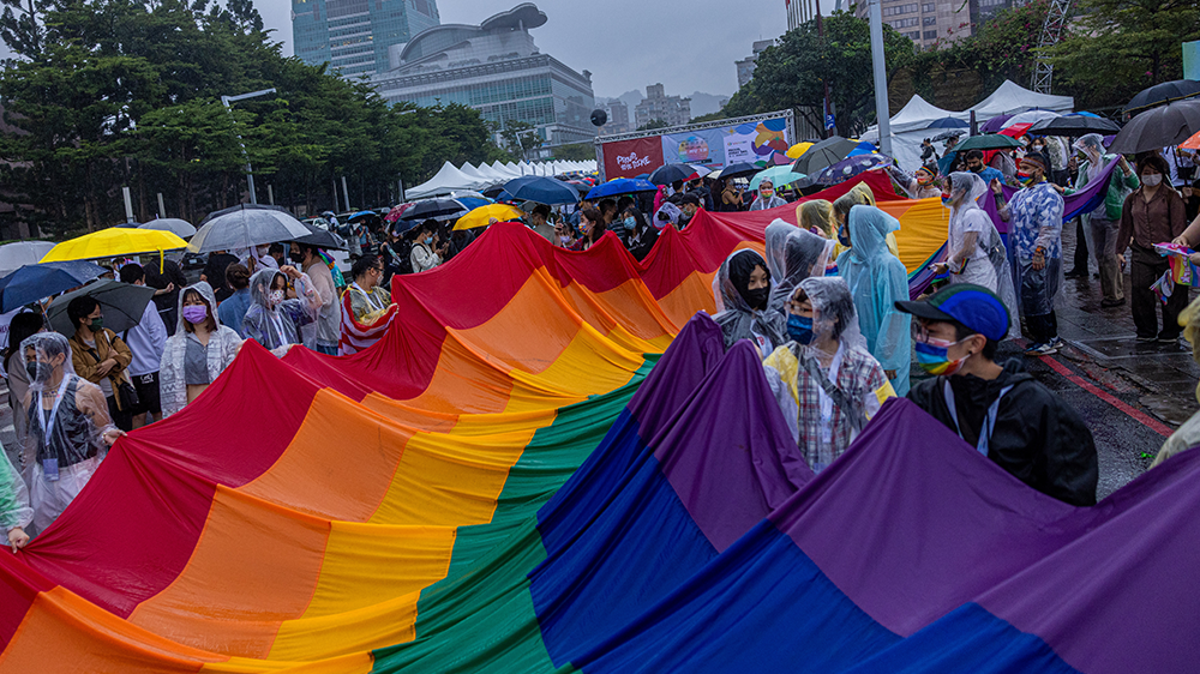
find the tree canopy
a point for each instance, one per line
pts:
(793, 73)
(128, 93)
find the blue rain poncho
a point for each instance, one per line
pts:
(877, 280)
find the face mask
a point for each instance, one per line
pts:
(844, 237)
(931, 356)
(757, 298)
(1152, 180)
(799, 329)
(924, 180)
(428, 240)
(275, 297)
(97, 324)
(947, 199)
(1025, 179)
(767, 193)
(195, 313)
(38, 371)
(262, 250)
(565, 239)
(630, 222)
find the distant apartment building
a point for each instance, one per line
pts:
(355, 36)
(673, 110)
(926, 22)
(618, 118)
(495, 68)
(799, 12)
(745, 67)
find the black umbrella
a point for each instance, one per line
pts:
(1162, 93)
(671, 173)
(322, 238)
(824, 154)
(433, 208)
(1074, 125)
(1160, 127)
(121, 303)
(740, 169)
(988, 141)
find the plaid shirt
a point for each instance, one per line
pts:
(860, 378)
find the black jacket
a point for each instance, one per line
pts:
(1038, 438)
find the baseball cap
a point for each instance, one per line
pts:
(974, 306)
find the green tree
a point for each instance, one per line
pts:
(1121, 47)
(575, 152)
(793, 73)
(655, 123)
(520, 137)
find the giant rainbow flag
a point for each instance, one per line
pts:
(549, 464)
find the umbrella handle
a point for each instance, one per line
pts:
(161, 261)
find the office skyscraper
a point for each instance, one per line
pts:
(355, 36)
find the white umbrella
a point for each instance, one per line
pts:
(181, 228)
(15, 255)
(246, 226)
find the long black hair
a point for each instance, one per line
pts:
(23, 326)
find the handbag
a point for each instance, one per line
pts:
(126, 394)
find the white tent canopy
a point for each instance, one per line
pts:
(468, 177)
(911, 125)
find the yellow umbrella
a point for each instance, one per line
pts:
(114, 242)
(482, 216)
(798, 149)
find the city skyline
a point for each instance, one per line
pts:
(700, 58)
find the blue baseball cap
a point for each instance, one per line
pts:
(976, 307)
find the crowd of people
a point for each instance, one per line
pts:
(827, 307)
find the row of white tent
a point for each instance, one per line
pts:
(467, 177)
(911, 125)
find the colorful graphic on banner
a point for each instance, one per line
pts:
(632, 158)
(764, 143)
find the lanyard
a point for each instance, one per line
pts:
(58, 397)
(370, 298)
(989, 421)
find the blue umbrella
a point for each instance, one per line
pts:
(362, 214)
(35, 281)
(948, 123)
(471, 203)
(613, 188)
(863, 148)
(541, 190)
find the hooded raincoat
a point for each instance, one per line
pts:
(987, 265)
(223, 344)
(877, 280)
(15, 510)
(735, 314)
(277, 325)
(816, 216)
(804, 255)
(67, 422)
(827, 398)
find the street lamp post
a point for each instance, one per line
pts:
(226, 100)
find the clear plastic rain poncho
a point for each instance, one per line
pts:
(988, 266)
(804, 255)
(827, 398)
(877, 280)
(775, 237)
(274, 321)
(223, 345)
(737, 312)
(68, 417)
(15, 510)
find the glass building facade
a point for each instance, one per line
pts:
(355, 37)
(496, 69)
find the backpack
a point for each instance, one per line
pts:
(403, 250)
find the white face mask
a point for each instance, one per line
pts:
(1152, 180)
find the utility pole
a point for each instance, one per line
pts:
(226, 101)
(825, 112)
(878, 60)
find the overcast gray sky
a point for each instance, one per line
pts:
(626, 44)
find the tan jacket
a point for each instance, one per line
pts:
(108, 345)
